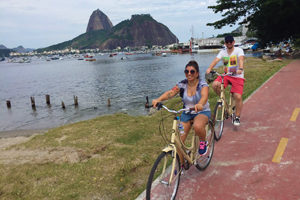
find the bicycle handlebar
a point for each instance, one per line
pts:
(176, 111)
(228, 74)
(160, 106)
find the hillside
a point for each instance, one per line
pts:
(140, 30)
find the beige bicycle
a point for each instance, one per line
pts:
(223, 109)
(164, 178)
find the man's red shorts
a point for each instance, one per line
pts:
(237, 83)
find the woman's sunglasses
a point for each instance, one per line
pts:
(187, 71)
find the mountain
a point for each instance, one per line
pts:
(99, 21)
(4, 51)
(3, 47)
(140, 30)
(21, 49)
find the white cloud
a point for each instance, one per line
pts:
(40, 23)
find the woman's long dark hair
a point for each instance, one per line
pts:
(194, 64)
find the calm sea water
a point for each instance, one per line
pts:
(126, 82)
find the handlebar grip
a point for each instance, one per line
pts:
(192, 109)
(159, 106)
(147, 106)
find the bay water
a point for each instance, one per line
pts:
(124, 79)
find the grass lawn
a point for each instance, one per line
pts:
(108, 157)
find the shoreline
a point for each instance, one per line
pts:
(24, 133)
(82, 153)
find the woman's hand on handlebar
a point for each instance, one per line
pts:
(155, 102)
(198, 107)
(208, 70)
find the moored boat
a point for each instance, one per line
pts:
(88, 56)
(90, 59)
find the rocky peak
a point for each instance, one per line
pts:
(99, 21)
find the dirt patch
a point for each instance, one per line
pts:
(7, 142)
(20, 156)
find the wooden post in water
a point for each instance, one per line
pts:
(48, 99)
(147, 102)
(63, 105)
(75, 101)
(32, 103)
(8, 104)
(108, 102)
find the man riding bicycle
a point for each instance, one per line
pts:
(233, 58)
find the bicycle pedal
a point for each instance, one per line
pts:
(232, 118)
(226, 115)
(186, 165)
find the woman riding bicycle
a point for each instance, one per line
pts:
(194, 94)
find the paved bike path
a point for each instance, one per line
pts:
(245, 164)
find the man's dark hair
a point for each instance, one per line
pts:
(229, 38)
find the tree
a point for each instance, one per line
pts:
(271, 20)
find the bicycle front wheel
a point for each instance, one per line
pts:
(159, 185)
(202, 161)
(218, 121)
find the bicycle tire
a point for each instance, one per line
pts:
(218, 122)
(157, 187)
(203, 161)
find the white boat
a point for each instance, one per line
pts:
(208, 50)
(246, 46)
(195, 48)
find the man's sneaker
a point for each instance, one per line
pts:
(236, 121)
(202, 148)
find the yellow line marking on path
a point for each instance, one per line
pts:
(295, 114)
(280, 149)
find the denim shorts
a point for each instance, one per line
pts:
(185, 117)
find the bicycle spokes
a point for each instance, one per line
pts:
(202, 161)
(218, 120)
(163, 182)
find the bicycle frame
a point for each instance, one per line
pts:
(177, 145)
(228, 106)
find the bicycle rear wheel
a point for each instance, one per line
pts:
(158, 186)
(218, 121)
(203, 161)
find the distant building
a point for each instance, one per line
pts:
(215, 42)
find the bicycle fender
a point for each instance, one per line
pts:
(220, 101)
(168, 148)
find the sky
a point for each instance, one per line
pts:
(41, 23)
